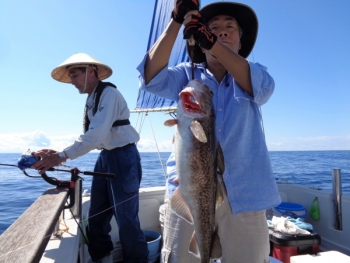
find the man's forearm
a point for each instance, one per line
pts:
(236, 65)
(158, 56)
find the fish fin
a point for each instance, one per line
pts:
(179, 207)
(216, 250)
(198, 131)
(170, 122)
(220, 188)
(220, 159)
(193, 248)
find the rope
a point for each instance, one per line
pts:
(142, 121)
(137, 120)
(58, 232)
(160, 159)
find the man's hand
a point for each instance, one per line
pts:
(44, 153)
(47, 159)
(182, 7)
(199, 30)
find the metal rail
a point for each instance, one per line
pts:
(337, 195)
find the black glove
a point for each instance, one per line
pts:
(201, 33)
(182, 7)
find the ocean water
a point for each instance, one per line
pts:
(18, 192)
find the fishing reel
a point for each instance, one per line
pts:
(26, 161)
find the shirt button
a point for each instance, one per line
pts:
(220, 109)
(219, 130)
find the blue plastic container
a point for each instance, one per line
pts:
(291, 209)
(153, 242)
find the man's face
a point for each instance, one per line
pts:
(78, 78)
(227, 30)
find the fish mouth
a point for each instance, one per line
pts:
(190, 104)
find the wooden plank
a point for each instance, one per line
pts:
(25, 240)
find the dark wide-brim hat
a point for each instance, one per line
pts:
(246, 19)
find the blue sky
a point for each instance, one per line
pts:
(304, 44)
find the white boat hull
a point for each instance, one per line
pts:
(65, 249)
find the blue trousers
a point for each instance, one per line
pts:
(119, 197)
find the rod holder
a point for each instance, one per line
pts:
(76, 209)
(337, 193)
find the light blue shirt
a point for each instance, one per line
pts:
(248, 175)
(171, 175)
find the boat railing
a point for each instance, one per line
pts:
(163, 109)
(26, 239)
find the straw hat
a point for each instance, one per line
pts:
(80, 60)
(246, 19)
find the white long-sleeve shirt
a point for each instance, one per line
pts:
(101, 134)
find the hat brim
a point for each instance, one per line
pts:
(245, 17)
(61, 72)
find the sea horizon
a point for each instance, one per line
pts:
(309, 168)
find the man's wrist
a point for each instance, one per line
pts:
(176, 18)
(63, 156)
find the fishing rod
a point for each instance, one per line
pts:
(27, 160)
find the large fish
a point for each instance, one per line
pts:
(198, 156)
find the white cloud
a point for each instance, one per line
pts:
(20, 142)
(147, 145)
(310, 143)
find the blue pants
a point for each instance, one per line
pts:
(119, 197)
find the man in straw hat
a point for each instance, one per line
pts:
(106, 127)
(224, 34)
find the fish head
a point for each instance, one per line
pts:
(196, 100)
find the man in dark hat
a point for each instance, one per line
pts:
(224, 35)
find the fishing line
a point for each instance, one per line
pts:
(76, 221)
(17, 249)
(113, 206)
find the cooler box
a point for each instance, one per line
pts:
(290, 209)
(284, 246)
